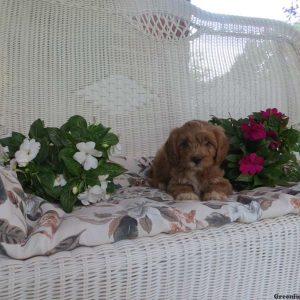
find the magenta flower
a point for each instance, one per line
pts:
(251, 164)
(272, 134)
(274, 143)
(274, 111)
(252, 130)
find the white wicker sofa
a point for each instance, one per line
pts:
(144, 67)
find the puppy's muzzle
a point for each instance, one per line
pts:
(196, 159)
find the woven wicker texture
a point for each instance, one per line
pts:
(139, 66)
(143, 67)
(233, 262)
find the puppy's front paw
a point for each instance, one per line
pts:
(187, 196)
(214, 196)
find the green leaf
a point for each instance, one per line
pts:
(79, 134)
(110, 188)
(74, 121)
(37, 130)
(53, 192)
(233, 157)
(257, 181)
(13, 143)
(46, 176)
(104, 168)
(67, 198)
(66, 152)
(245, 178)
(43, 152)
(290, 138)
(91, 177)
(111, 169)
(110, 139)
(5, 141)
(234, 140)
(231, 165)
(292, 171)
(59, 137)
(264, 152)
(73, 167)
(296, 148)
(97, 132)
(232, 174)
(257, 116)
(273, 122)
(54, 161)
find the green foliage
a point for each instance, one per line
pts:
(277, 150)
(55, 158)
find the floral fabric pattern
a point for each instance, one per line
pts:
(13, 226)
(134, 210)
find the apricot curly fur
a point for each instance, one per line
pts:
(187, 166)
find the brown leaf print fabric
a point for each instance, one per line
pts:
(32, 226)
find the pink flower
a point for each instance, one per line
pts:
(274, 111)
(251, 164)
(274, 143)
(272, 134)
(252, 130)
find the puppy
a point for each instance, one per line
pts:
(188, 164)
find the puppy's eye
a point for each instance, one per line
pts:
(184, 144)
(207, 143)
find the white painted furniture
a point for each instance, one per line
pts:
(144, 67)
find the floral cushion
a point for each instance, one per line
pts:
(13, 227)
(136, 210)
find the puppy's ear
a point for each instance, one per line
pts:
(223, 144)
(171, 148)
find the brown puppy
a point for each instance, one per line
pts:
(188, 164)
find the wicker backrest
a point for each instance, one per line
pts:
(140, 66)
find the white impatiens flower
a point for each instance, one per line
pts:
(60, 180)
(3, 154)
(115, 150)
(87, 155)
(103, 182)
(28, 151)
(92, 195)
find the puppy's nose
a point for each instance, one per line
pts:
(196, 159)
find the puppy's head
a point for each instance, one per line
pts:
(196, 145)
